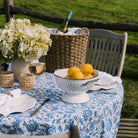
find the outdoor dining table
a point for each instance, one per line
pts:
(99, 117)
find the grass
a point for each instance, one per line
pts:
(116, 11)
(130, 81)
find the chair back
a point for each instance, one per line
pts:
(106, 51)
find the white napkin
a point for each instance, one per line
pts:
(72, 31)
(7, 102)
(107, 79)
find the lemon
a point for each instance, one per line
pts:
(72, 69)
(77, 75)
(86, 69)
(69, 77)
(88, 76)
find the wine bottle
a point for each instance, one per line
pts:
(64, 27)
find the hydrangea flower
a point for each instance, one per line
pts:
(20, 38)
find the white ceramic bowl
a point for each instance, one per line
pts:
(75, 89)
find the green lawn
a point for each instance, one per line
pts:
(116, 11)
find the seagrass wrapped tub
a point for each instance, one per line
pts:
(26, 82)
(67, 50)
(6, 79)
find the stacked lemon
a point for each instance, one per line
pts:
(85, 71)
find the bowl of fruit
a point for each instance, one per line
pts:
(75, 82)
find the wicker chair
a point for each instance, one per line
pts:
(106, 51)
(73, 133)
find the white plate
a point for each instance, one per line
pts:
(23, 103)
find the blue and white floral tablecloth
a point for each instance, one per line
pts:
(98, 118)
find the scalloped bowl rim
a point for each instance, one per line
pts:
(65, 71)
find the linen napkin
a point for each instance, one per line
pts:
(7, 101)
(71, 31)
(106, 81)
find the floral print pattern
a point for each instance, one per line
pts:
(97, 118)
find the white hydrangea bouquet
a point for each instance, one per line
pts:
(20, 38)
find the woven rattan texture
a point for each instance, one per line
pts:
(66, 51)
(6, 79)
(26, 82)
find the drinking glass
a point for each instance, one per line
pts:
(37, 69)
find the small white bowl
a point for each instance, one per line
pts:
(75, 89)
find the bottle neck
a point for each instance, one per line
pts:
(65, 23)
(66, 26)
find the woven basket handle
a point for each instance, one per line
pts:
(84, 28)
